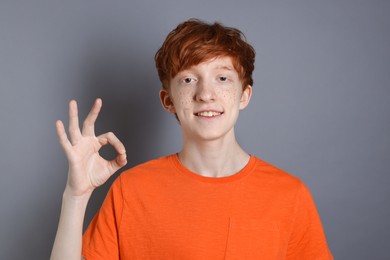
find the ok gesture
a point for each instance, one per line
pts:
(87, 169)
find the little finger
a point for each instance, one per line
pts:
(62, 137)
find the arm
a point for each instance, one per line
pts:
(307, 239)
(87, 170)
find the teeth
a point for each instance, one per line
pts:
(208, 113)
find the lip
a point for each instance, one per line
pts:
(208, 110)
(220, 113)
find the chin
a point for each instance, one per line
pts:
(212, 136)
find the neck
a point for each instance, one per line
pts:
(213, 158)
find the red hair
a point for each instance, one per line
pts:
(194, 41)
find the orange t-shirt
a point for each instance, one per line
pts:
(161, 210)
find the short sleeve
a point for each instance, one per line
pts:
(307, 239)
(100, 241)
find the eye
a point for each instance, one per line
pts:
(188, 80)
(223, 78)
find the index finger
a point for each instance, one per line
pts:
(120, 160)
(110, 138)
(89, 122)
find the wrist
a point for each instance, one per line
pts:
(68, 195)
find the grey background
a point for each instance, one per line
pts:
(320, 108)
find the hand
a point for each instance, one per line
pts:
(87, 169)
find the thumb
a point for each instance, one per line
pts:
(117, 163)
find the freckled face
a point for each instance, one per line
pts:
(207, 98)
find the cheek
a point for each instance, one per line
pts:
(183, 99)
(231, 96)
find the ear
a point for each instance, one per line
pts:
(166, 101)
(245, 97)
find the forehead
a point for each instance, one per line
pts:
(217, 63)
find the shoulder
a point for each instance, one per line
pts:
(271, 172)
(274, 178)
(148, 172)
(154, 164)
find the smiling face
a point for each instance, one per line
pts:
(206, 99)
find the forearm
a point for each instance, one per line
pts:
(68, 241)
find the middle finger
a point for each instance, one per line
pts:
(89, 122)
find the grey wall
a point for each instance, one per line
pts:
(320, 108)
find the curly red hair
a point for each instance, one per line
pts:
(195, 41)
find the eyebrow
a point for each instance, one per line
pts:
(218, 67)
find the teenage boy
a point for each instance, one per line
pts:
(211, 200)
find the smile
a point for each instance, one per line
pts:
(208, 113)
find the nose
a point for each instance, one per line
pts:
(204, 92)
